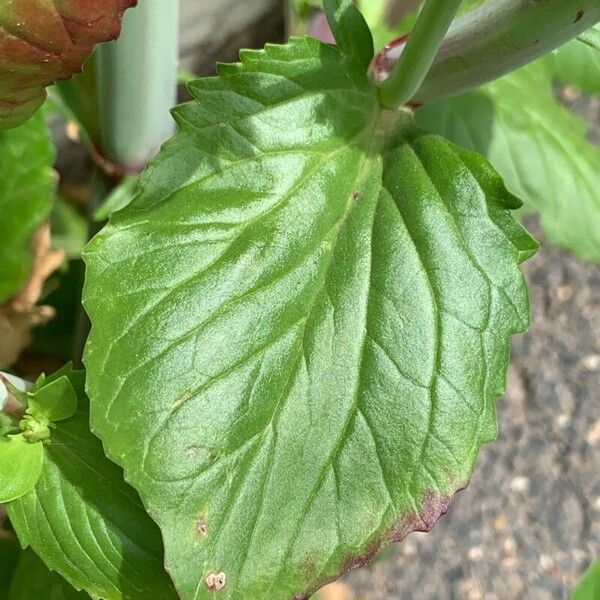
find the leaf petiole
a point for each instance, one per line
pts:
(414, 63)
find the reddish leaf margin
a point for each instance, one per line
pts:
(45, 40)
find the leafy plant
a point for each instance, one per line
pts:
(301, 309)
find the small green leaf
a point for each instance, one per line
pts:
(69, 229)
(299, 325)
(119, 198)
(26, 193)
(55, 401)
(589, 586)
(537, 145)
(76, 377)
(21, 465)
(350, 30)
(34, 581)
(87, 524)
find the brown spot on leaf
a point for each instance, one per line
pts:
(20, 314)
(215, 581)
(579, 16)
(201, 527)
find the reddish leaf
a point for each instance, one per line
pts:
(45, 40)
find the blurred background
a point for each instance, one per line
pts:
(529, 523)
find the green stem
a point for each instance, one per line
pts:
(500, 36)
(415, 61)
(137, 77)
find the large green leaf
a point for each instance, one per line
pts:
(45, 40)
(299, 327)
(87, 524)
(33, 581)
(26, 192)
(537, 145)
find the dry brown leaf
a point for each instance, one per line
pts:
(20, 314)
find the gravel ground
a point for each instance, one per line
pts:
(529, 523)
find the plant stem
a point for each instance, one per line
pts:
(408, 74)
(137, 80)
(500, 36)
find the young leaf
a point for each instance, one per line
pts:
(538, 146)
(21, 464)
(120, 197)
(26, 191)
(33, 580)
(69, 229)
(350, 30)
(299, 326)
(87, 524)
(56, 401)
(44, 41)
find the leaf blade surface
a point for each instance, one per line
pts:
(278, 365)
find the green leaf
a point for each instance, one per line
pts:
(45, 41)
(55, 401)
(537, 145)
(350, 30)
(21, 464)
(575, 64)
(299, 326)
(120, 197)
(26, 192)
(589, 586)
(76, 378)
(87, 524)
(591, 37)
(69, 229)
(33, 580)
